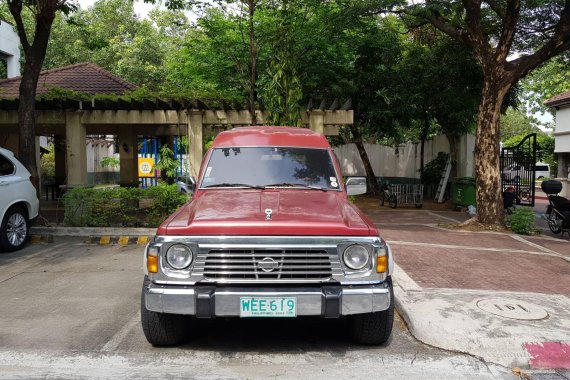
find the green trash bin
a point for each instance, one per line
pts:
(463, 191)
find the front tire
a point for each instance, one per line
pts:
(374, 328)
(14, 229)
(554, 222)
(162, 329)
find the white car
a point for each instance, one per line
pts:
(18, 202)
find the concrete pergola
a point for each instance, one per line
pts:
(73, 126)
(70, 121)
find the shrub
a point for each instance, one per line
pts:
(120, 206)
(522, 221)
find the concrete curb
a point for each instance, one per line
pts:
(94, 235)
(449, 319)
(92, 231)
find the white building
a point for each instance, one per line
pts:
(561, 103)
(10, 48)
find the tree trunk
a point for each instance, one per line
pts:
(371, 177)
(453, 150)
(253, 62)
(487, 172)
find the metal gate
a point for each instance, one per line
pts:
(518, 168)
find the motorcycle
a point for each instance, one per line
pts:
(558, 211)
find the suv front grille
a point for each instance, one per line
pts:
(265, 264)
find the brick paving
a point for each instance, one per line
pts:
(493, 268)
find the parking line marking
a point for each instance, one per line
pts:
(445, 217)
(403, 280)
(120, 335)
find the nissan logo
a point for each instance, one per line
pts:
(268, 264)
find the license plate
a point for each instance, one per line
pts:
(268, 307)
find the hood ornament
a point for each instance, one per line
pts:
(268, 213)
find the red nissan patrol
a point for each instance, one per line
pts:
(269, 233)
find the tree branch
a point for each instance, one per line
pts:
(494, 5)
(16, 11)
(475, 30)
(558, 43)
(509, 28)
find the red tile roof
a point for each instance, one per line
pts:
(82, 77)
(558, 100)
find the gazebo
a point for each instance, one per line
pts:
(83, 99)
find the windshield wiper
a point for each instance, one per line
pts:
(227, 184)
(304, 186)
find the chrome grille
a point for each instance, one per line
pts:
(266, 264)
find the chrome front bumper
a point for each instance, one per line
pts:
(209, 301)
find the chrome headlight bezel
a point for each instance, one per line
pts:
(364, 250)
(174, 262)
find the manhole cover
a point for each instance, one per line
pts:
(512, 308)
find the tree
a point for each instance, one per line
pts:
(548, 80)
(34, 45)
(494, 31)
(516, 123)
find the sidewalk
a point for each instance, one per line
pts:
(501, 297)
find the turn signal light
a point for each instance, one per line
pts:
(152, 264)
(382, 264)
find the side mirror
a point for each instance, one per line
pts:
(186, 185)
(356, 186)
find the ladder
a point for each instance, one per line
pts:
(443, 182)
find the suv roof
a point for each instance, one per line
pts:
(270, 136)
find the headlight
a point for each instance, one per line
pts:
(179, 256)
(356, 257)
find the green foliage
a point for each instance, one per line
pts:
(120, 206)
(515, 123)
(522, 221)
(550, 79)
(433, 170)
(109, 161)
(47, 162)
(167, 163)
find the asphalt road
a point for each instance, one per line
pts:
(71, 310)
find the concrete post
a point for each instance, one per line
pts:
(128, 156)
(59, 158)
(195, 125)
(317, 121)
(76, 154)
(563, 162)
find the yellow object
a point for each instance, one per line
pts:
(105, 240)
(123, 240)
(146, 166)
(142, 240)
(152, 264)
(382, 264)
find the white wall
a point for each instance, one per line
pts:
(404, 161)
(10, 47)
(562, 130)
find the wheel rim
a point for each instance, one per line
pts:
(16, 229)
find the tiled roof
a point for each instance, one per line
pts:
(558, 100)
(82, 77)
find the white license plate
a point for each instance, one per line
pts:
(268, 307)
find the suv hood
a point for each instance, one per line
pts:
(293, 212)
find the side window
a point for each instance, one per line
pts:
(6, 166)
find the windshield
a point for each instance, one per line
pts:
(268, 167)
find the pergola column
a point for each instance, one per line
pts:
(76, 155)
(195, 125)
(128, 155)
(317, 121)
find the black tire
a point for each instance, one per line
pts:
(393, 201)
(552, 217)
(162, 329)
(374, 328)
(15, 212)
(419, 205)
(382, 199)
